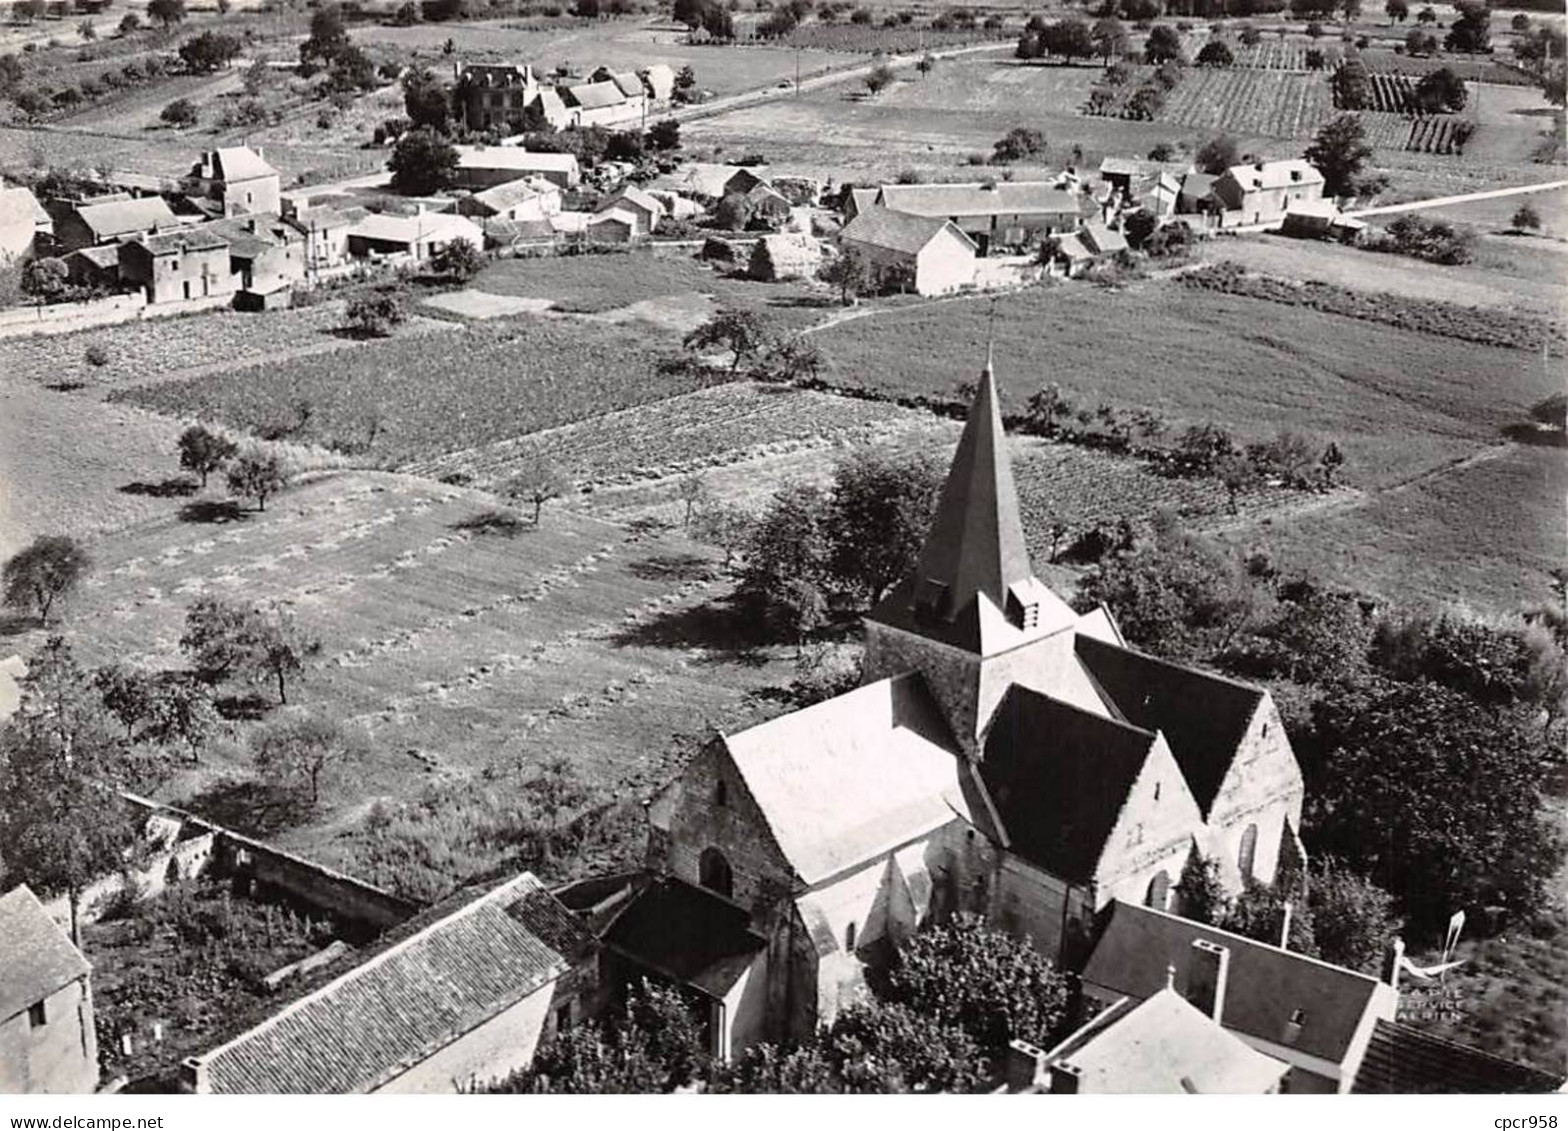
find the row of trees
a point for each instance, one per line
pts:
(955, 995)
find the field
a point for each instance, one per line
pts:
(1496, 213)
(1251, 103)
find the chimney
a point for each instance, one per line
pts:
(1393, 957)
(193, 1075)
(1065, 1078)
(1207, 977)
(1258, 166)
(1284, 926)
(1024, 1067)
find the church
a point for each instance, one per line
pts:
(1004, 755)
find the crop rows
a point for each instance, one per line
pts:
(1392, 94)
(1251, 103)
(1471, 70)
(892, 40)
(1386, 131)
(1440, 134)
(1443, 319)
(1273, 55)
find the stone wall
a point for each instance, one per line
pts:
(58, 1057)
(1262, 789)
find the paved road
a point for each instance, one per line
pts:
(1443, 201)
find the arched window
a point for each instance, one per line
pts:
(713, 871)
(1159, 893)
(1249, 851)
(849, 938)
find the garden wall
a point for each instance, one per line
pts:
(67, 318)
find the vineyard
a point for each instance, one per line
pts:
(1471, 70)
(890, 40)
(1444, 134)
(1392, 94)
(1276, 55)
(1251, 102)
(1386, 131)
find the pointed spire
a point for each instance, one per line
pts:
(976, 543)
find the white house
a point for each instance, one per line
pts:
(934, 254)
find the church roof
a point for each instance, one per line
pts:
(845, 780)
(1165, 1045)
(1201, 715)
(975, 548)
(686, 933)
(1060, 777)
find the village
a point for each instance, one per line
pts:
(665, 568)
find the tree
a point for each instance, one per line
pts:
(665, 135)
(181, 114)
(1071, 38)
(733, 213)
(256, 472)
(1340, 151)
(742, 332)
(1441, 91)
(537, 481)
(425, 100)
(1426, 15)
(993, 986)
(1353, 85)
(1472, 31)
(1216, 53)
(1217, 154)
(1526, 219)
(1391, 773)
(328, 39)
(209, 52)
(926, 65)
(1353, 919)
(691, 489)
(725, 527)
(1398, 11)
(297, 749)
(166, 12)
(42, 573)
(685, 83)
(351, 71)
(130, 24)
(1110, 38)
(848, 273)
(787, 572)
(280, 648)
(879, 78)
(220, 637)
(45, 279)
(459, 259)
(1259, 913)
(204, 452)
(160, 708)
(1046, 408)
(375, 314)
(1418, 42)
(1250, 36)
(1162, 44)
(882, 508)
(1018, 144)
(1200, 891)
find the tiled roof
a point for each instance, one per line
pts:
(514, 157)
(400, 1006)
(1165, 1045)
(122, 217)
(854, 776)
(1004, 197)
(39, 958)
(596, 95)
(1121, 167)
(1198, 185)
(1401, 1060)
(1104, 240)
(19, 206)
(1201, 715)
(686, 933)
(1072, 246)
(896, 231)
(1060, 777)
(1267, 987)
(104, 256)
(629, 84)
(1274, 174)
(513, 192)
(181, 242)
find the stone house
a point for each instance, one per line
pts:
(325, 232)
(237, 179)
(532, 198)
(78, 225)
(932, 256)
(1263, 192)
(175, 266)
(24, 225)
(484, 166)
(417, 237)
(460, 996)
(993, 213)
(495, 94)
(1005, 756)
(613, 225)
(266, 253)
(48, 1040)
(647, 210)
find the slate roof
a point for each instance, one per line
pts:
(1121, 167)
(897, 231)
(1401, 1060)
(975, 547)
(182, 242)
(103, 257)
(1005, 197)
(1072, 246)
(1165, 1045)
(512, 193)
(1266, 986)
(123, 217)
(686, 933)
(400, 1006)
(239, 163)
(848, 779)
(1060, 777)
(1274, 174)
(514, 157)
(641, 199)
(628, 83)
(596, 95)
(411, 229)
(1106, 241)
(39, 957)
(706, 179)
(1198, 185)
(1201, 715)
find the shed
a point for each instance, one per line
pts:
(785, 256)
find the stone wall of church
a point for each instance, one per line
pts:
(1033, 904)
(1263, 790)
(1154, 834)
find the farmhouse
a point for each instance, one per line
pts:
(645, 208)
(1263, 192)
(175, 266)
(1163, 1045)
(84, 225)
(495, 94)
(326, 234)
(95, 267)
(484, 166)
(23, 223)
(462, 996)
(708, 182)
(266, 254)
(1005, 756)
(48, 1040)
(239, 180)
(928, 256)
(659, 80)
(994, 213)
(417, 237)
(532, 198)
